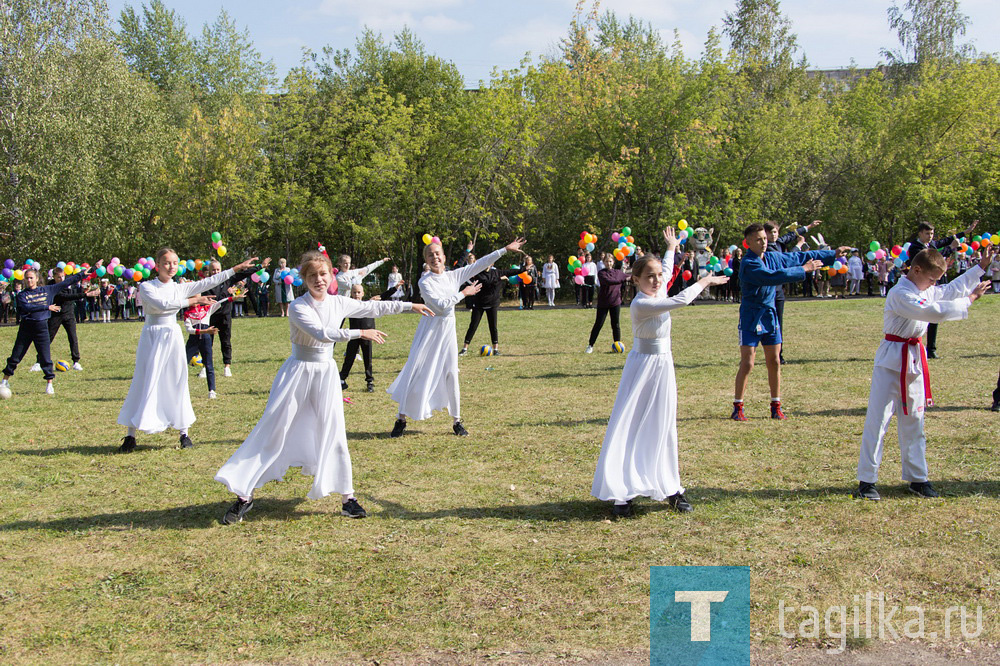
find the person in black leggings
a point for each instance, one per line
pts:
(609, 300)
(487, 302)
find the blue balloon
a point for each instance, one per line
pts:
(297, 282)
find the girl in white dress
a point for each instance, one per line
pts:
(303, 422)
(158, 397)
(429, 380)
(550, 280)
(639, 453)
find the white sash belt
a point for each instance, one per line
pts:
(160, 319)
(651, 345)
(312, 354)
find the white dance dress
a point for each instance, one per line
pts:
(639, 453)
(429, 380)
(303, 422)
(158, 397)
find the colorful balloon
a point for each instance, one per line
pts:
(682, 225)
(426, 238)
(216, 237)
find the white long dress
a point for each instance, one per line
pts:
(639, 453)
(158, 397)
(429, 380)
(303, 422)
(550, 276)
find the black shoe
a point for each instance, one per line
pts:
(679, 503)
(496, 352)
(352, 509)
(460, 430)
(236, 512)
(464, 351)
(996, 406)
(781, 360)
(370, 388)
(623, 510)
(923, 488)
(186, 442)
(399, 428)
(867, 491)
(343, 385)
(931, 353)
(128, 444)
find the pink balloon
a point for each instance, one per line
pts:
(880, 254)
(216, 245)
(578, 279)
(584, 272)
(614, 237)
(288, 279)
(255, 277)
(435, 239)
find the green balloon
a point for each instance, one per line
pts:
(119, 270)
(145, 272)
(874, 246)
(216, 237)
(626, 231)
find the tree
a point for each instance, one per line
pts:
(763, 43)
(928, 31)
(156, 45)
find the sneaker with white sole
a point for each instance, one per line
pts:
(237, 511)
(50, 389)
(227, 372)
(77, 366)
(36, 368)
(590, 349)
(211, 395)
(352, 509)
(202, 374)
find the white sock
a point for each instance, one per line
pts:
(131, 431)
(773, 399)
(738, 401)
(345, 498)
(184, 432)
(620, 502)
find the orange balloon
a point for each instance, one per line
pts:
(630, 239)
(843, 269)
(583, 243)
(527, 279)
(137, 276)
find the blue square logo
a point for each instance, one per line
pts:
(699, 615)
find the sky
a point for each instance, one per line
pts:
(480, 35)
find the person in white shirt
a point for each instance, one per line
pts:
(348, 277)
(550, 280)
(587, 295)
(855, 273)
(900, 380)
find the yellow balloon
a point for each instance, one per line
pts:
(427, 239)
(682, 225)
(222, 250)
(18, 274)
(995, 239)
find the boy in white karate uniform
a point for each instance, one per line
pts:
(900, 380)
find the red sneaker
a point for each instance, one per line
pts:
(738, 414)
(776, 412)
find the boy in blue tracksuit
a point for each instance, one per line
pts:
(35, 305)
(760, 273)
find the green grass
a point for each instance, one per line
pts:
(491, 544)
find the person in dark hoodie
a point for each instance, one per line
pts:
(66, 300)
(35, 304)
(222, 319)
(487, 302)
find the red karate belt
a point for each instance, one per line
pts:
(902, 368)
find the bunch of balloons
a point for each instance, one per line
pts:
(575, 267)
(588, 241)
(520, 278)
(261, 276)
(217, 243)
(683, 234)
(837, 267)
(287, 276)
(979, 242)
(10, 270)
(428, 239)
(626, 243)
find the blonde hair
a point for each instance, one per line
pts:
(310, 261)
(427, 249)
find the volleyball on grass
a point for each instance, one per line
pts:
(617, 348)
(486, 350)
(62, 366)
(196, 361)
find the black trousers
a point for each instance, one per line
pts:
(932, 337)
(262, 305)
(587, 295)
(224, 322)
(31, 331)
(807, 286)
(996, 392)
(527, 295)
(477, 316)
(202, 344)
(69, 323)
(352, 353)
(602, 314)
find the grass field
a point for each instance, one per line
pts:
(489, 546)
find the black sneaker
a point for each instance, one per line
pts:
(186, 442)
(399, 428)
(496, 352)
(128, 444)
(625, 510)
(352, 509)
(370, 388)
(867, 491)
(464, 351)
(343, 385)
(236, 512)
(931, 353)
(460, 430)
(996, 406)
(679, 503)
(923, 488)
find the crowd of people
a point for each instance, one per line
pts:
(303, 423)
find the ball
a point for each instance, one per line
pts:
(486, 350)
(196, 361)
(617, 348)
(62, 366)
(5, 393)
